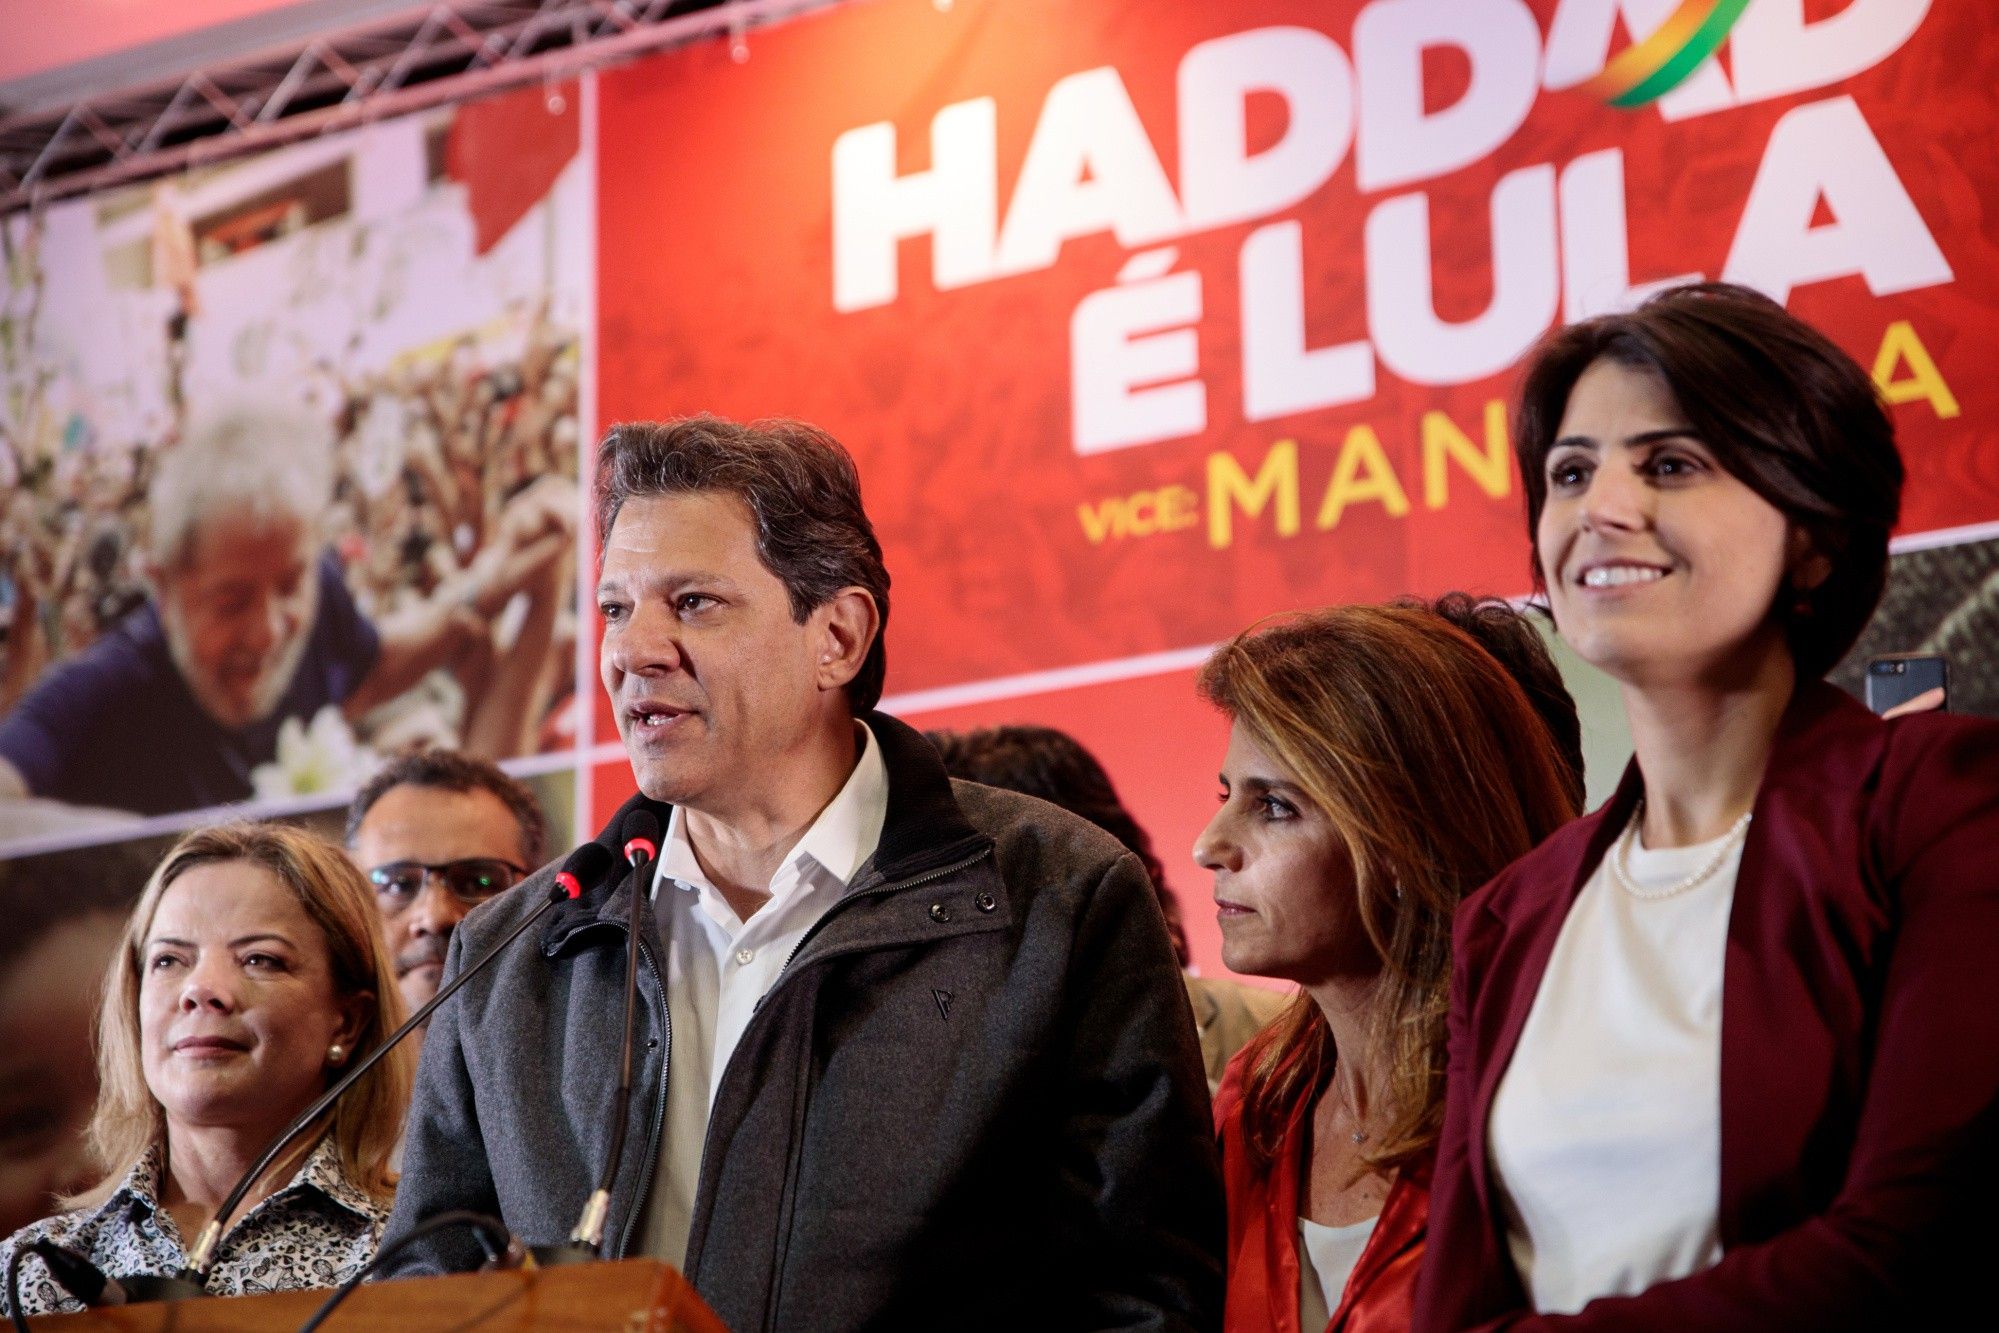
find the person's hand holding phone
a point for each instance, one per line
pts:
(1903, 683)
(1929, 701)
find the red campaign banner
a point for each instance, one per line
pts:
(1146, 320)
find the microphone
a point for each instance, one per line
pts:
(583, 868)
(74, 1274)
(90, 1285)
(641, 834)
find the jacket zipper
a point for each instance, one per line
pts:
(658, 1109)
(791, 1160)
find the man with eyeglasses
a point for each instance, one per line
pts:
(437, 833)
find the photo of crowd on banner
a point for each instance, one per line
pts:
(307, 532)
(272, 514)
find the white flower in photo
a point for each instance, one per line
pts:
(315, 759)
(381, 445)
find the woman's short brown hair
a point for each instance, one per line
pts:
(1783, 409)
(368, 1121)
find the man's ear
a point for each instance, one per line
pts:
(847, 624)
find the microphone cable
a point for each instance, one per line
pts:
(641, 833)
(507, 1253)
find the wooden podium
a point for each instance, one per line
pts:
(632, 1295)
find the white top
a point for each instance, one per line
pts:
(1331, 1254)
(718, 966)
(1605, 1136)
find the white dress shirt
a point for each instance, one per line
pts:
(1606, 1128)
(718, 966)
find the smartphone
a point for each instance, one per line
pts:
(1899, 677)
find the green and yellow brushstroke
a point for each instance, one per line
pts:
(1647, 70)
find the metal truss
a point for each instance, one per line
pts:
(437, 53)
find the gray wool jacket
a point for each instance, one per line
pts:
(973, 1098)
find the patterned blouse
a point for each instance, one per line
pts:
(317, 1231)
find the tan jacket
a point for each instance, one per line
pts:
(1227, 1014)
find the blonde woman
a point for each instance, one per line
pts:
(250, 975)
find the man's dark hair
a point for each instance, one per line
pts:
(1053, 765)
(1505, 633)
(804, 498)
(449, 770)
(1783, 409)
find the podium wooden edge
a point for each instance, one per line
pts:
(630, 1295)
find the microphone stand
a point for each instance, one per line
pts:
(585, 1243)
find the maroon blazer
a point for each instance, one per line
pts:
(1859, 1043)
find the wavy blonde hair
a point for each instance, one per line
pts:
(368, 1120)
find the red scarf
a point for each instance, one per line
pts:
(1263, 1255)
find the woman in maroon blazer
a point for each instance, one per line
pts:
(1725, 1054)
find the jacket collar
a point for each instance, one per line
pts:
(924, 828)
(1263, 1222)
(1816, 713)
(322, 1172)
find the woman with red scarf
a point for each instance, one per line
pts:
(1382, 764)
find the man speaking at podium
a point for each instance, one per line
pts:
(912, 1053)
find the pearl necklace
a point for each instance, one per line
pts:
(1620, 859)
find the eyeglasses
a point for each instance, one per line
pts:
(471, 881)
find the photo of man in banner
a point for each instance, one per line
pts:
(273, 508)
